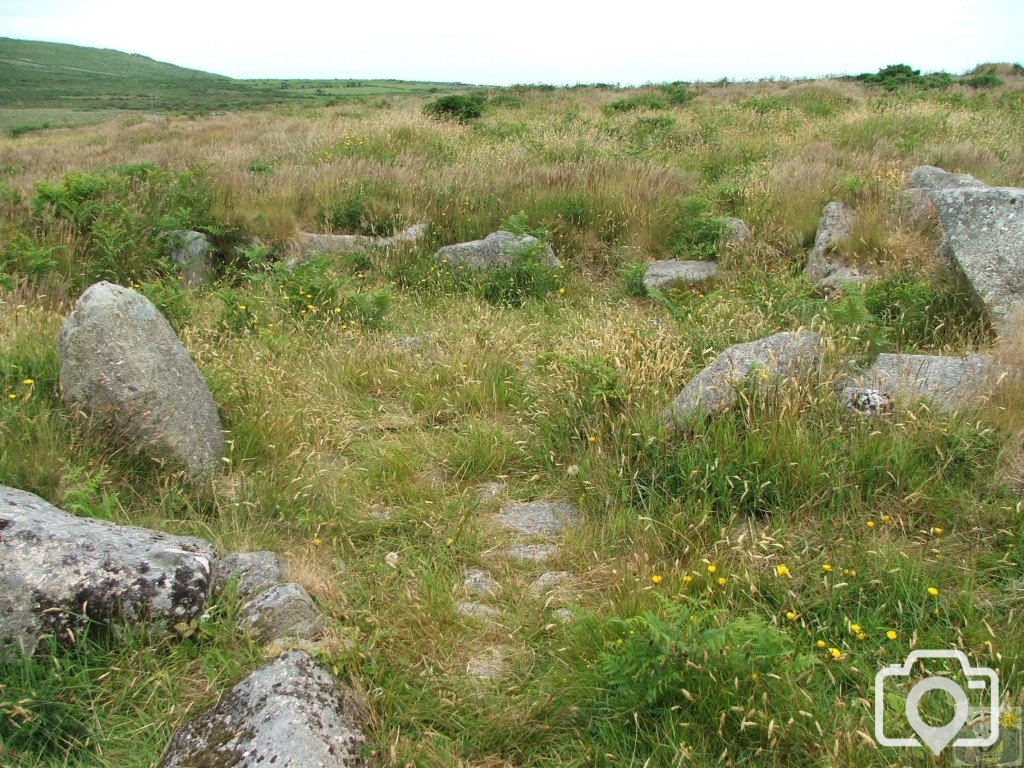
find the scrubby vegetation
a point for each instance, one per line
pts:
(734, 588)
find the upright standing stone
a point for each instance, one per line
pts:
(122, 366)
(834, 228)
(193, 254)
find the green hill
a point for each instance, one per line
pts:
(54, 79)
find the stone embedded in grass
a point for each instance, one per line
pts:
(479, 611)
(281, 612)
(736, 231)
(532, 553)
(543, 518)
(834, 228)
(122, 366)
(478, 582)
(496, 250)
(488, 492)
(193, 254)
(548, 581)
(309, 243)
(780, 356)
(666, 274)
(254, 571)
(872, 402)
(924, 181)
(984, 231)
(289, 712)
(60, 573)
(489, 665)
(949, 383)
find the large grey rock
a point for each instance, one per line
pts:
(737, 231)
(670, 272)
(253, 572)
(834, 228)
(60, 573)
(309, 243)
(782, 355)
(284, 611)
(193, 253)
(543, 518)
(289, 713)
(949, 383)
(497, 249)
(984, 231)
(122, 365)
(922, 184)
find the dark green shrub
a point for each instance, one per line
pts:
(986, 80)
(366, 210)
(631, 277)
(456, 107)
(506, 99)
(633, 103)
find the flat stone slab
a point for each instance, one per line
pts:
(310, 243)
(548, 581)
(59, 573)
(782, 355)
(532, 553)
(984, 231)
(498, 249)
(662, 275)
(253, 572)
(543, 518)
(949, 383)
(489, 665)
(479, 611)
(289, 713)
(282, 612)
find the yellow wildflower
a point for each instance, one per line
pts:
(892, 634)
(656, 579)
(933, 591)
(782, 570)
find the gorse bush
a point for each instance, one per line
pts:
(457, 107)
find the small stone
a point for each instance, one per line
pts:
(487, 666)
(532, 553)
(662, 275)
(488, 492)
(280, 612)
(869, 401)
(479, 611)
(538, 517)
(562, 615)
(391, 558)
(478, 582)
(193, 254)
(548, 581)
(737, 231)
(254, 571)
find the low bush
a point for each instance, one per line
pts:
(456, 107)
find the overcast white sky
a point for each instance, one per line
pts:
(535, 40)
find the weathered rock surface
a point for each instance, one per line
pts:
(309, 243)
(542, 518)
(488, 492)
(122, 365)
(782, 355)
(984, 230)
(670, 272)
(281, 612)
(289, 713)
(532, 553)
(497, 249)
(478, 611)
(924, 181)
(193, 253)
(548, 581)
(59, 573)
(254, 571)
(834, 228)
(489, 665)
(949, 383)
(478, 582)
(737, 231)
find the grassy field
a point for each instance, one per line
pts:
(733, 588)
(52, 85)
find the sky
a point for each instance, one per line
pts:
(535, 41)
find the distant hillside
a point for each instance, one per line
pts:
(39, 75)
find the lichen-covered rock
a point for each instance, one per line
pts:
(122, 366)
(478, 611)
(489, 665)
(948, 383)
(281, 612)
(289, 713)
(532, 553)
(782, 355)
(309, 243)
(737, 232)
(543, 518)
(670, 272)
(478, 582)
(253, 572)
(60, 573)
(548, 581)
(984, 230)
(496, 250)
(930, 177)
(193, 254)
(834, 228)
